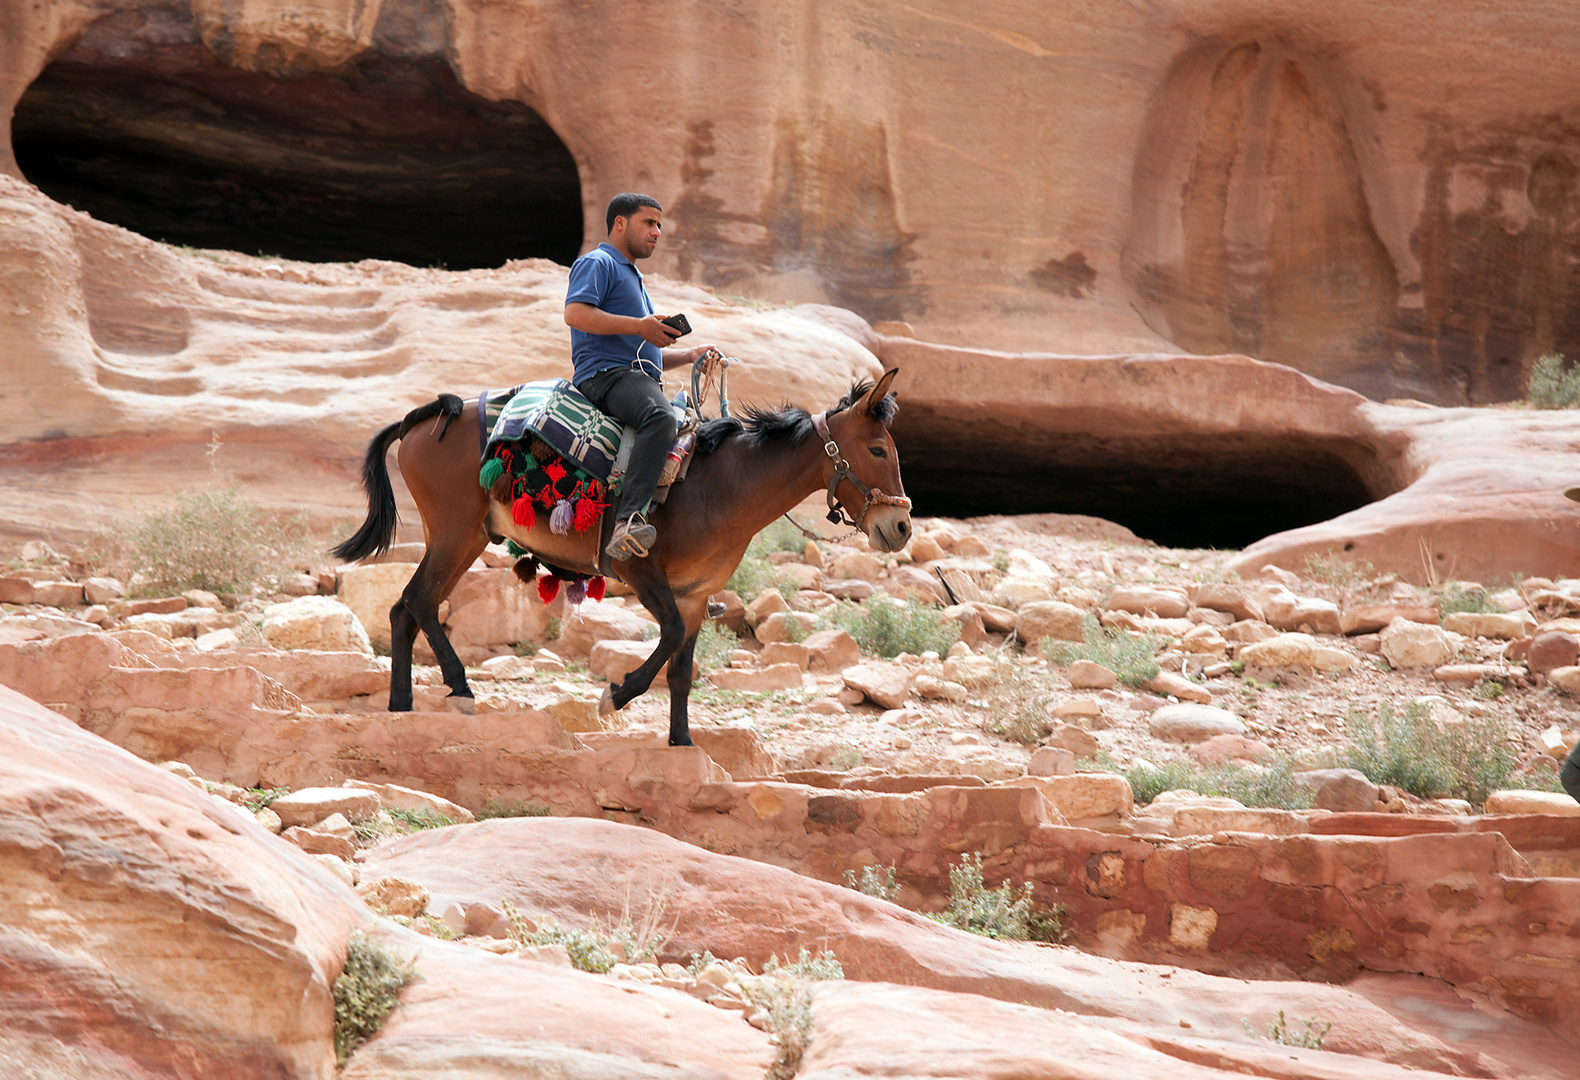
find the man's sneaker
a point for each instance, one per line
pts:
(632, 538)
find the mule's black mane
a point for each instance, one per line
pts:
(789, 424)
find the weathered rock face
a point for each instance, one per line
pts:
(137, 908)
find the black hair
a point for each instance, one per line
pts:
(625, 204)
(789, 422)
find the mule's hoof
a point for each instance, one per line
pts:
(463, 704)
(606, 706)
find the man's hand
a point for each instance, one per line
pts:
(654, 332)
(674, 358)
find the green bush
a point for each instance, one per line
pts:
(1407, 749)
(1268, 785)
(714, 645)
(596, 949)
(1004, 912)
(875, 881)
(366, 991)
(1454, 598)
(822, 967)
(1279, 1031)
(1018, 709)
(1550, 386)
(496, 809)
(395, 822)
(1127, 655)
(215, 540)
(887, 627)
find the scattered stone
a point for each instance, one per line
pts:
(101, 590)
(1143, 600)
(830, 706)
(972, 629)
(1249, 633)
(848, 589)
(395, 797)
(314, 622)
(1489, 625)
(1228, 598)
(370, 591)
(1554, 743)
(1553, 649)
(884, 683)
(1051, 761)
(338, 867)
(972, 672)
(776, 627)
(1407, 644)
(1221, 748)
(925, 549)
(594, 622)
(1087, 675)
(1167, 682)
(1050, 619)
(1081, 710)
(1287, 611)
(1370, 618)
(1470, 674)
(831, 650)
(932, 688)
(577, 713)
(1204, 641)
(309, 806)
(856, 565)
(1016, 592)
(1190, 723)
(774, 677)
(1339, 790)
(1532, 802)
(1295, 651)
(784, 652)
(319, 843)
(1077, 741)
(1000, 620)
(393, 896)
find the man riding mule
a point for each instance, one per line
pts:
(746, 472)
(619, 355)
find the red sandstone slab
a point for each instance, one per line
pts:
(1366, 824)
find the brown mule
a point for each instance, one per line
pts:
(746, 473)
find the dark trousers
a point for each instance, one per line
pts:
(1569, 775)
(636, 399)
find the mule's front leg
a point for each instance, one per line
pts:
(403, 634)
(660, 602)
(680, 693)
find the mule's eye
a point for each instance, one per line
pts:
(877, 451)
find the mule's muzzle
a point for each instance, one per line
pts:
(889, 527)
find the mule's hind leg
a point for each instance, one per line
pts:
(437, 574)
(403, 635)
(680, 693)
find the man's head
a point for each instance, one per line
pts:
(634, 222)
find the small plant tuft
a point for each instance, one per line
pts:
(714, 645)
(1280, 1032)
(1454, 598)
(1004, 913)
(258, 798)
(887, 627)
(396, 822)
(1019, 707)
(821, 967)
(1127, 655)
(1271, 784)
(875, 881)
(495, 809)
(845, 758)
(366, 991)
(1550, 386)
(1407, 748)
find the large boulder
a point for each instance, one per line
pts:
(315, 622)
(1407, 644)
(148, 929)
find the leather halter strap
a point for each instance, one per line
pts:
(870, 496)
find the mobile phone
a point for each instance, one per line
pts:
(678, 324)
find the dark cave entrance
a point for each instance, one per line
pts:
(1189, 490)
(386, 158)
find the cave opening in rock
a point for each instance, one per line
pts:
(387, 158)
(1186, 490)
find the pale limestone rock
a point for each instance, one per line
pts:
(1000, 620)
(511, 667)
(1191, 723)
(972, 630)
(1286, 611)
(777, 627)
(1296, 650)
(907, 582)
(1408, 644)
(761, 680)
(972, 672)
(315, 842)
(1232, 599)
(491, 607)
(1077, 741)
(800, 575)
(932, 688)
(338, 867)
(784, 652)
(612, 660)
(1339, 790)
(576, 713)
(847, 589)
(1369, 618)
(216, 639)
(1015, 592)
(1081, 710)
(1532, 802)
(1554, 743)
(1083, 796)
(1146, 600)
(884, 683)
(101, 590)
(1050, 619)
(1088, 675)
(315, 622)
(1051, 761)
(370, 591)
(1191, 927)
(855, 565)
(393, 896)
(924, 548)
(1168, 682)
(1504, 627)
(593, 622)
(309, 806)
(1204, 641)
(1249, 632)
(395, 797)
(1470, 674)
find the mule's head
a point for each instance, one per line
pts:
(868, 487)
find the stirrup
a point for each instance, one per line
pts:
(632, 539)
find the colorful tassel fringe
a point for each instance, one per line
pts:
(576, 592)
(548, 588)
(522, 513)
(587, 511)
(492, 470)
(595, 588)
(560, 520)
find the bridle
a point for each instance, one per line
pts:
(837, 514)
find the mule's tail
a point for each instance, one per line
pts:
(378, 530)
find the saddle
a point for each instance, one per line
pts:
(548, 448)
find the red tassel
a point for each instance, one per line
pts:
(523, 514)
(595, 588)
(587, 511)
(548, 588)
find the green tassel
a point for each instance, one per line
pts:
(515, 549)
(493, 468)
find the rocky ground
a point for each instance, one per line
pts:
(809, 737)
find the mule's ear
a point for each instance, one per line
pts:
(869, 404)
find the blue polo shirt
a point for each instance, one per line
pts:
(607, 280)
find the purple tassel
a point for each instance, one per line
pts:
(576, 592)
(560, 520)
